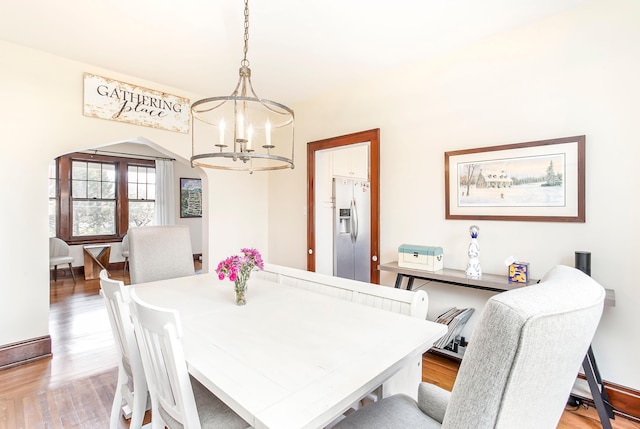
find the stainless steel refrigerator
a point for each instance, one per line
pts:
(351, 229)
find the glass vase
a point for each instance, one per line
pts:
(241, 288)
(241, 293)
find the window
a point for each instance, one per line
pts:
(93, 195)
(142, 194)
(102, 197)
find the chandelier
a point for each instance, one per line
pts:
(242, 131)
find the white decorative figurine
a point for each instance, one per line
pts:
(473, 266)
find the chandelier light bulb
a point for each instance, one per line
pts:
(221, 134)
(267, 131)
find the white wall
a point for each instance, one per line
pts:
(41, 118)
(573, 74)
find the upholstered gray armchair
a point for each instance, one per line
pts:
(159, 252)
(519, 368)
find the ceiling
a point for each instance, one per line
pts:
(297, 48)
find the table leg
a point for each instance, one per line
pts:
(398, 281)
(600, 397)
(399, 278)
(93, 264)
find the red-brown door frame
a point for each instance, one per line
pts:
(373, 137)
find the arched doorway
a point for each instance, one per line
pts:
(137, 149)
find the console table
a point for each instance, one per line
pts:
(95, 262)
(496, 283)
(489, 282)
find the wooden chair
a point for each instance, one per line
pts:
(131, 397)
(159, 252)
(177, 401)
(519, 368)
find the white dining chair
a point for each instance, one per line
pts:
(131, 395)
(177, 400)
(159, 253)
(58, 255)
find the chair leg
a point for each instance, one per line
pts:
(116, 407)
(55, 273)
(141, 401)
(138, 408)
(72, 273)
(124, 270)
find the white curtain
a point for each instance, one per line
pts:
(165, 195)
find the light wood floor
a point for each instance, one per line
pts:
(75, 387)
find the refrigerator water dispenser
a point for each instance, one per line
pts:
(344, 226)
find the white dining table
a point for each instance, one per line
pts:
(289, 358)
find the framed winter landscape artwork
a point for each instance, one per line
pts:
(534, 181)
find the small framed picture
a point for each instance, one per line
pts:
(190, 197)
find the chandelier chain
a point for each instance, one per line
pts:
(246, 32)
(246, 142)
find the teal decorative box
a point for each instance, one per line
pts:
(519, 272)
(426, 258)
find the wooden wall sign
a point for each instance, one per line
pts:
(119, 101)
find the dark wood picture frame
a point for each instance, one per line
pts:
(517, 182)
(190, 197)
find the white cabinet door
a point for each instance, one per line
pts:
(359, 156)
(340, 162)
(352, 162)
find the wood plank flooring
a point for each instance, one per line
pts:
(75, 387)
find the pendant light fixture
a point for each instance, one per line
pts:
(242, 131)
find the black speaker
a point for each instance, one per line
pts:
(583, 262)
